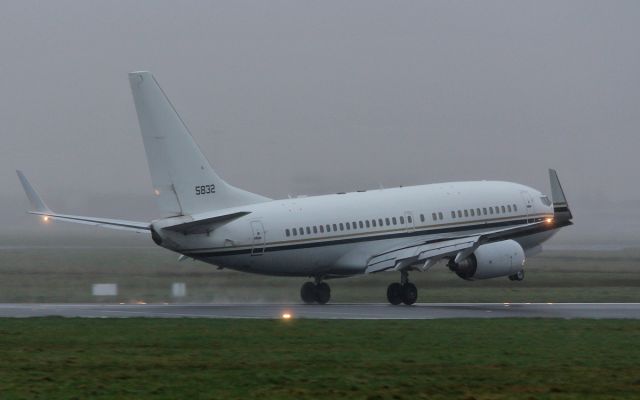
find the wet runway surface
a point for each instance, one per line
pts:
(329, 311)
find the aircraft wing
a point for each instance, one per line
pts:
(429, 252)
(40, 208)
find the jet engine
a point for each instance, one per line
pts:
(491, 261)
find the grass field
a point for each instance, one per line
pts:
(64, 271)
(54, 358)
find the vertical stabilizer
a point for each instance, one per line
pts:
(184, 182)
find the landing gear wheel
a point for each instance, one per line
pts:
(308, 292)
(409, 293)
(394, 293)
(518, 276)
(323, 293)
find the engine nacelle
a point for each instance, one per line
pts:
(491, 261)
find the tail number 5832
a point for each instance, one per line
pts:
(205, 189)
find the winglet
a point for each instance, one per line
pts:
(560, 205)
(34, 198)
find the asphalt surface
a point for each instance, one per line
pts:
(329, 311)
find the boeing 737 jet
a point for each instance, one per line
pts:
(479, 230)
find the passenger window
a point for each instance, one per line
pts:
(459, 214)
(286, 232)
(466, 213)
(361, 225)
(373, 223)
(366, 223)
(509, 207)
(453, 214)
(402, 220)
(472, 212)
(387, 221)
(515, 207)
(328, 227)
(335, 228)
(301, 231)
(341, 226)
(491, 210)
(409, 219)
(355, 226)
(308, 231)
(348, 225)
(315, 229)
(440, 215)
(484, 210)
(380, 222)
(504, 210)
(497, 209)
(421, 217)
(394, 220)
(294, 232)
(434, 216)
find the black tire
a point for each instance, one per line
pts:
(409, 293)
(518, 276)
(323, 293)
(394, 293)
(308, 293)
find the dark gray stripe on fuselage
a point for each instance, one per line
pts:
(200, 253)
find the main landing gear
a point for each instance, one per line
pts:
(318, 292)
(403, 292)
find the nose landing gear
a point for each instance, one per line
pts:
(518, 276)
(318, 292)
(403, 292)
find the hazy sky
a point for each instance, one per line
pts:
(306, 97)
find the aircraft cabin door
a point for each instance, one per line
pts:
(528, 204)
(409, 223)
(257, 230)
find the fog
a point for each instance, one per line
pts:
(289, 98)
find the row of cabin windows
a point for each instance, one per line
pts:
(342, 226)
(381, 222)
(484, 211)
(435, 216)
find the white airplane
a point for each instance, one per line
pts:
(481, 229)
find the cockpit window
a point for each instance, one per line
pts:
(545, 200)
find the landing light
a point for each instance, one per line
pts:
(45, 218)
(286, 316)
(548, 220)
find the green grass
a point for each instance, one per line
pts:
(59, 274)
(54, 358)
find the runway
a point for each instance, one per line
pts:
(330, 311)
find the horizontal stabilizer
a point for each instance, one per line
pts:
(205, 225)
(40, 208)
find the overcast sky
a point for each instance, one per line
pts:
(306, 97)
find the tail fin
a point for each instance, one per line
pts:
(183, 180)
(560, 206)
